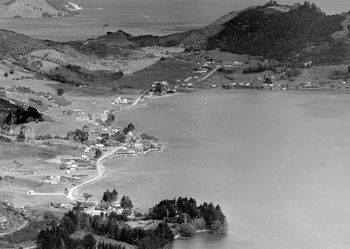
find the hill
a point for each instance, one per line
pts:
(294, 34)
(38, 8)
(93, 62)
(302, 33)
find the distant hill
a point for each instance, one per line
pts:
(297, 33)
(300, 33)
(38, 8)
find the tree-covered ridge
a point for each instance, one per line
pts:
(177, 217)
(60, 235)
(278, 35)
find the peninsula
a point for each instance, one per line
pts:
(60, 103)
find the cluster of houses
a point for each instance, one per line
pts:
(119, 100)
(61, 205)
(140, 146)
(160, 88)
(201, 69)
(261, 82)
(104, 208)
(73, 163)
(307, 85)
(54, 180)
(80, 114)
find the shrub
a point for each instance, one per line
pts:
(78, 136)
(60, 91)
(199, 223)
(119, 136)
(98, 153)
(218, 227)
(187, 230)
(89, 241)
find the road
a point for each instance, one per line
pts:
(51, 194)
(205, 77)
(100, 175)
(72, 194)
(208, 75)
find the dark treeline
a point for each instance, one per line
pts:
(21, 116)
(259, 69)
(178, 216)
(59, 236)
(174, 211)
(110, 196)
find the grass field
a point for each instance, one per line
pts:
(168, 69)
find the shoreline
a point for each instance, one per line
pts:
(101, 170)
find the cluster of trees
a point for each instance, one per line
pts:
(74, 68)
(184, 210)
(129, 128)
(119, 136)
(103, 245)
(292, 72)
(110, 119)
(80, 76)
(12, 71)
(340, 75)
(36, 101)
(60, 91)
(78, 136)
(110, 196)
(59, 235)
(279, 35)
(258, 69)
(125, 202)
(145, 136)
(21, 116)
(5, 139)
(98, 153)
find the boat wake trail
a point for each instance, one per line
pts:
(303, 219)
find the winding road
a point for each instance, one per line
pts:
(73, 192)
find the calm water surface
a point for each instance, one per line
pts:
(277, 162)
(158, 17)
